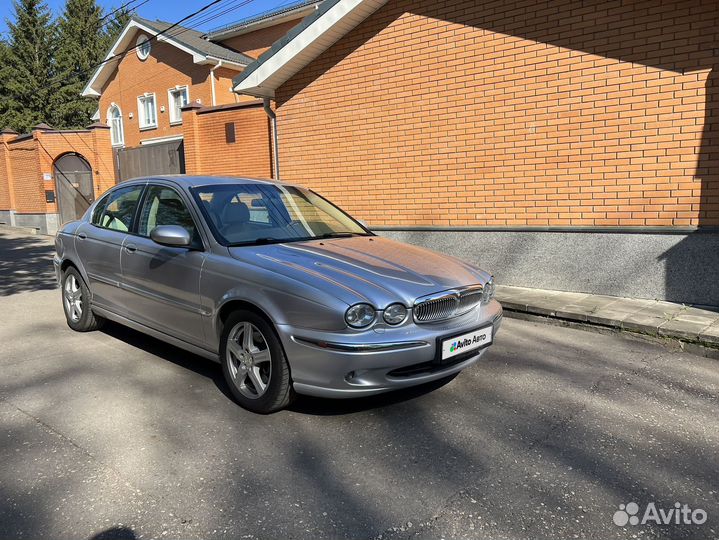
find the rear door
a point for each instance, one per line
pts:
(161, 284)
(99, 243)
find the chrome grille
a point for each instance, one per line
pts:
(447, 304)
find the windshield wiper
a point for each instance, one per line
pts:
(340, 235)
(266, 240)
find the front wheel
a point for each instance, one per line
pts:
(254, 363)
(76, 303)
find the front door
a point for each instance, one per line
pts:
(160, 283)
(73, 182)
(99, 242)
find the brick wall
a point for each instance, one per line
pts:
(25, 160)
(529, 113)
(207, 150)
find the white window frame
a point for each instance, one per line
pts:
(170, 102)
(121, 141)
(141, 120)
(142, 38)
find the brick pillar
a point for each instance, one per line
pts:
(103, 167)
(7, 188)
(190, 132)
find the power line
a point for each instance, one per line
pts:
(123, 6)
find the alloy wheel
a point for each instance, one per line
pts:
(249, 360)
(72, 294)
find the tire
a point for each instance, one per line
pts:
(76, 303)
(256, 371)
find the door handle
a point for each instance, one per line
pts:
(131, 248)
(82, 236)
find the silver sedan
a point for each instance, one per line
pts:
(289, 292)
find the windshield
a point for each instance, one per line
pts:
(242, 214)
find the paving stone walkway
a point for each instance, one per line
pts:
(652, 317)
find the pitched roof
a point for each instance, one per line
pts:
(294, 10)
(302, 44)
(186, 39)
(195, 40)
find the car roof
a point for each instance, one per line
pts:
(189, 181)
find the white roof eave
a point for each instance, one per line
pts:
(306, 46)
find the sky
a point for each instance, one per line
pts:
(169, 10)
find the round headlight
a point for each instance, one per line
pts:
(394, 314)
(488, 291)
(360, 315)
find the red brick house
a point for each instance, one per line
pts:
(563, 144)
(166, 105)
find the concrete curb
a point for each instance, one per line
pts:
(652, 318)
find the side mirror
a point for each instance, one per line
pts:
(171, 235)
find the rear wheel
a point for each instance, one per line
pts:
(254, 363)
(76, 303)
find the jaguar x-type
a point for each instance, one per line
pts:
(290, 293)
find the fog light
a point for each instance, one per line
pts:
(395, 314)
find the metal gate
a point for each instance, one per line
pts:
(161, 158)
(73, 182)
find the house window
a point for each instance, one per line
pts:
(147, 111)
(178, 98)
(143, 47)
(114, 119)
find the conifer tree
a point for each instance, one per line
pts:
(81, 47)
(27, 71)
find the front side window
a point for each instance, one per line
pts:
(114, 119)
(243, 214)
(119, 211)
(164, 206)
(179, 97)
(99, 210)
(147, 111)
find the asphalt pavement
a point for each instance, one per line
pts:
(112, 434)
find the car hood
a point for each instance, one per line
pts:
(364, 269)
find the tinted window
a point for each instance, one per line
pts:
(163, 206)
(120, 209)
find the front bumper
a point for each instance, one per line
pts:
(353, 364)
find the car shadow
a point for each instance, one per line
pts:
(307, 405)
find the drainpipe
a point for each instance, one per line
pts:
(212, 81)
(273, 119)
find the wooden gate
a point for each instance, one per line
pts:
(73, 183)
(161, 158)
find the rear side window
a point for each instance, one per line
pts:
(119, 211)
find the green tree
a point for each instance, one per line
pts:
(114, 25)
(81, 46)
(4, 59)
(27, 71)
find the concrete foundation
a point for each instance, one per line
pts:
(43, 223)
(663, 266)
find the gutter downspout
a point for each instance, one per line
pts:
(275, 144)
(212, 81)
